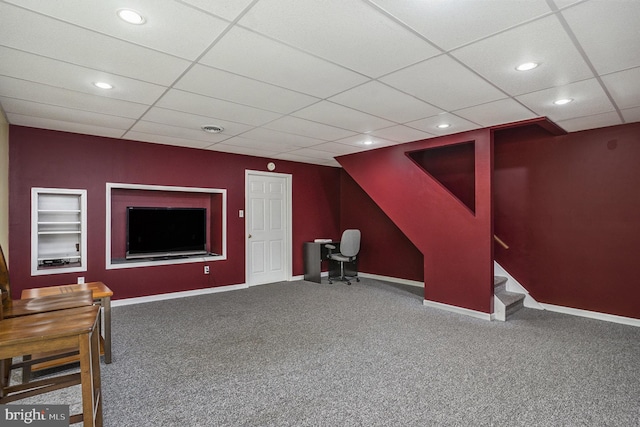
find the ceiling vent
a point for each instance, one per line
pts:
(212, 129)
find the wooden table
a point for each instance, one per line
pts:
(101, 294)
(50, 332)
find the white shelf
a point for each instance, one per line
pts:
(58, 230)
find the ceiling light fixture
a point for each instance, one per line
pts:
(368, 142)
(443, 126)
(527, 66)
(103, 85)
(563, 101)
(212, 128)
(131, 16)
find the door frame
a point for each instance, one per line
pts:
(287, 220)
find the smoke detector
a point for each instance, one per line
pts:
(212, 129)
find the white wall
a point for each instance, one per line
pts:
(4, 184)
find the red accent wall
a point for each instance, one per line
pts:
(385, 250)
(43, 158)
(456, 243)
(568, 207)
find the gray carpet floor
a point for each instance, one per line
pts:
(370, 354)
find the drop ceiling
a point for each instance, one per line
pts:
(310, 80)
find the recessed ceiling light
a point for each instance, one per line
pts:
(368, 142)
(563, 101)
(443, 126)
(131, 16)
(212, 129)
(103, 85)
(527, 66)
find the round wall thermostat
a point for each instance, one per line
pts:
(271, 166)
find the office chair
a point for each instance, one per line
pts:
(349, 248)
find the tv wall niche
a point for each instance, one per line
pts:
(120, 197)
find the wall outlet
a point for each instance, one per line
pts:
(80, 280)
(206, 269)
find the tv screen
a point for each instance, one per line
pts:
(166, 232)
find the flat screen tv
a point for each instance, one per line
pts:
(166, 232)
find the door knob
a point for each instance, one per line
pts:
(249, 235)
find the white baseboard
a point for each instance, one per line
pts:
(514, 286)
(173, 295)
(392, 279)
(592, 314)
(458, 310)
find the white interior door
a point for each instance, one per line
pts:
(268, 224)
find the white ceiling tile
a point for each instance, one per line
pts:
(45, 123)
(624, 87)
(366, 142)
(30, 91)
(214, 108)
(338, 149)
(39, 69)
(291, 156)
(307, 128)
(54, 39)
(227, 9)
(232, 87)
(444, 83)
(588, 99)
(430, 124)
(605, 29)
(231, 146)
(165, 140)
(631, 115)
(166, 23)
(590, 122)
(264, 134)
(338, 115)
(496, 112)
(248, 54)
(271, 146)
(383, 101)
(62, 114)
(401, 133)
(543, 41)
(193, 121)
(178, 132)
(349, 33)
(449, 24)
(312, 152)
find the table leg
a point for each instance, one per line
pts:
(106, 303)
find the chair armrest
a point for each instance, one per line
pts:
(329, 246)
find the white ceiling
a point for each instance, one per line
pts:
(310, 80)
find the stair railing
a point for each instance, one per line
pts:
(500, 242)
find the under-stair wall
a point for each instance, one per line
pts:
(456, 241)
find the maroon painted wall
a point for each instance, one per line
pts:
(42, 158)
(568, 207)
(456, 243)
(385, 250)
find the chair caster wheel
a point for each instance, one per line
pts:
(357, 280)
(349, 283)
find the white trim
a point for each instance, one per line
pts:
(288, 250)
(458, 310)
(592, 314)
(109, 265)
(392, 279)
(174, 295)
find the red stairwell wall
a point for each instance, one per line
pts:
(457, 244)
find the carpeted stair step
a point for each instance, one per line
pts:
(512, 301)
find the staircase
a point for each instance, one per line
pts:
(505, 303)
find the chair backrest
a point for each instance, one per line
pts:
(4, 278)
(350, 243)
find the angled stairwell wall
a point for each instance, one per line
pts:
(456, 241)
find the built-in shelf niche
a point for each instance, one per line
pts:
(119, 196)
(58, 230)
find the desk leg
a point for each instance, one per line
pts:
(106, 304)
